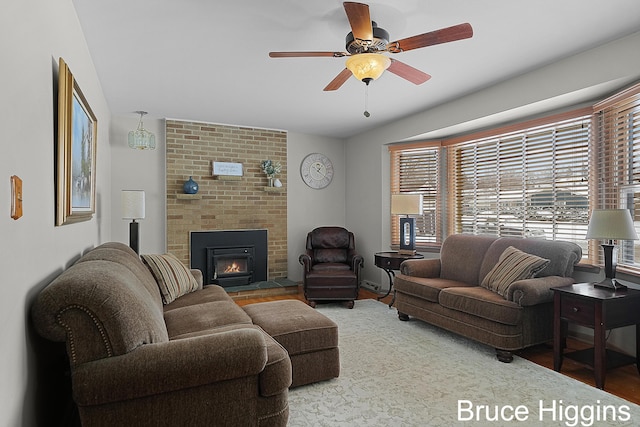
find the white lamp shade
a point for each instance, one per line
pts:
(406, 204)
(612, 224)
(132, 204)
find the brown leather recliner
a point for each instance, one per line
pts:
(331, 266)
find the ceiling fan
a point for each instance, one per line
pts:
(367, 42)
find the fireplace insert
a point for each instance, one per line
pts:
(230, 266)
(247, 248)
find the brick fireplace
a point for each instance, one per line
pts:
(244, 203)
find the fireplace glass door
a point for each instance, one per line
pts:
(230, 266)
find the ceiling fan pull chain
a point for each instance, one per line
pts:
(366, 99)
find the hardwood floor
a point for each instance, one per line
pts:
(623, 382)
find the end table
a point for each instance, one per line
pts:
(389, 261)
(600, 310)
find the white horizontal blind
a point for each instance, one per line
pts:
(415, 171)
(527, 183)
(617, 166)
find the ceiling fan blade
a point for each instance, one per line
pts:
(339, 80)
(306, 54)
(407, 72)
(359, 19)
(444, 35)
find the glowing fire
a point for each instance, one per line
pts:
(233, 268)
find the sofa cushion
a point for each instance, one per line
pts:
(330, 266)
(461, 257)
(199, 317)
(331, 255)
(427, 288)
(512, 265)
(173, 277)
(209, 293)
(563, 255)
(481, 302)
(122, 254)
(295, 325)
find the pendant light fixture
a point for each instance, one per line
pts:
(142, 139)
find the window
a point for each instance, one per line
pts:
(526, 180)
(531, 182)
(415, 171)
(616, 160)
(535, 179)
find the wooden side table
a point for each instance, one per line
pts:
(600, 310)
(390, 261)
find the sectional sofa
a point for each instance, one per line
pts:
(148, 345)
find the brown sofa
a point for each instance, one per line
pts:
(199, 360)
(445, 292)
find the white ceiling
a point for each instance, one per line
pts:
(208, 60)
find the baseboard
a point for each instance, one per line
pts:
(370, 286)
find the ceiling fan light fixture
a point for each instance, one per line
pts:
(368, 65)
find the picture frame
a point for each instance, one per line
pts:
(226, 169)
(75, 152)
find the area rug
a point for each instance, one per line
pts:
(397, 373)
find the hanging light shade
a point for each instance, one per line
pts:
(368, 66)
(142, 139)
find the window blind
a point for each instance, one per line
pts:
(616, 166)
(527, 183)
(415, 171)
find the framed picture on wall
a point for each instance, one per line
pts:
(75, 152)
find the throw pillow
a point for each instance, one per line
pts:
(173, 278)
(512, 265)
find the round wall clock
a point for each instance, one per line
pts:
(316, 170)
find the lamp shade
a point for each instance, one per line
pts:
(406, 204)
(612, 224)
(367, 65)
(132, 204)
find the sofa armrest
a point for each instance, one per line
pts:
(534, 291)
(421, 268)
(305, 260)
(170, 366)
(356, 261)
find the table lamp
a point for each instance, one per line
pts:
(407, 204)
(610, 225)
(133, 208)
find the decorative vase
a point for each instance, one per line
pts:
(277, 183)
(270, 180)
(190, 186)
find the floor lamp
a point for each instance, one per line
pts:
(133, 208)
(407, 204)
(610, 225)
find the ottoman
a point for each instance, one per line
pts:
(310, 338)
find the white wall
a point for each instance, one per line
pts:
(309, 208)
(33, 35)
(139, 170)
